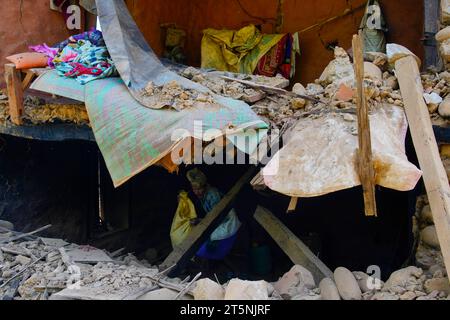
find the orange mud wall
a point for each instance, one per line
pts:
(404, 17)
(28, 22)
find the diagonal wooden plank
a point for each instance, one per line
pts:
(199, 233)
(294, 248)
(434, 174)
(364, 164)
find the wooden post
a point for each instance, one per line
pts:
(15, 93)
(364, 157)
(434, 174)
(292, 205)
(199, 233)
(294, 248)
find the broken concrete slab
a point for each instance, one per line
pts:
(88, 255)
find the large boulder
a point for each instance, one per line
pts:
(338, 71)
(6, 225)
(429, 237)
(247, 290)
(437, 284)
(444, 108)
(297, 281)
(328, 290)
(443, 35)
(402, 278)
(372, 72)
(347, 285)
(207, 289)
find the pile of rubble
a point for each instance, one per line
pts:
(333, 92)
(38, 111)
(34, 268)
(173, 95)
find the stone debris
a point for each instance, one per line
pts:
(6, 225)
(429, 237)
(298, 281)
(328, 290)
(43, 273)
(247, 290)
(207, 289)
(347, 285)
(40, 271)
(38, 111)
(173, 95)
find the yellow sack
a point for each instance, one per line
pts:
(181, 225)
(236, 51)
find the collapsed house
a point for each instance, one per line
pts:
(307, 153)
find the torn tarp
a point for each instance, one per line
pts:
(132, 137)
(136, 62)
(321, 154)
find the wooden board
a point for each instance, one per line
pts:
(294, 248)
(15, 93)
(365, 163)
(434, 174)
(197, 235)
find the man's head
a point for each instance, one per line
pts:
(198, 182)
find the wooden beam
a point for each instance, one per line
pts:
(434, 174)
(292, 205)
(294, 248)
(364, 163)
(29, 76)
(212, 220)
(270, 89)
(15, 93)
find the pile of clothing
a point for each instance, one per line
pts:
(249, 51)
(84, 57)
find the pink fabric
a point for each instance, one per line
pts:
(48, 51)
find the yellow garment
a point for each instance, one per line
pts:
(181, 225)
(236, 51)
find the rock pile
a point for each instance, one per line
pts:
(41, 269)
(38, 111)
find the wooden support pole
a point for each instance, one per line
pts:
(294, 248)
(199, 233)
(434, 174)
(292, 205)
(15, 93)
(364, 159)
(29, 77)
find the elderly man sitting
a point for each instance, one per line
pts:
(222, 239)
